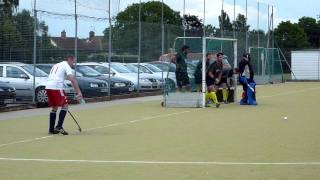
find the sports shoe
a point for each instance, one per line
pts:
(217, 105)
(61, 130)
(53, 132)
(226, 102)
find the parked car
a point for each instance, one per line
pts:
(170, 81)
(119, 70)
(170, 69)
(90, 87)
(7, 94)
(20, 76)
(145, 73)
(117, 85)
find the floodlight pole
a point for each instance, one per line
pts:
(272, 27)
(75, 38)
(34, 50)
(204, 48)
(109, 50)
(246, 25)
(184, 21)
(258, 34)
(222, 24)
(258, 23)
(139, 48)
(162, 29)
(234, 19)
(268, 41)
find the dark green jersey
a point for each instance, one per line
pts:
(215, 67)
(198, 71)
(181, 62)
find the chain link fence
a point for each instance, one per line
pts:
(82, 29)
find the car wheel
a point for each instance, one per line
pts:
(41, 96)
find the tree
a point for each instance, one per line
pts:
(193, 25)
(7, 7)
(312, 30)
(211, 30)
(224, 22)
(290, 37)
(125, 30)
(16, 37)
(241, 23)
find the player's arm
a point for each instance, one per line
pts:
(74, 82)
(218, 76)
(251, 71)
(210, 74)
(241, 68)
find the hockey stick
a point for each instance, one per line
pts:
(74, 119)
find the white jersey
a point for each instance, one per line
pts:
(58, 75)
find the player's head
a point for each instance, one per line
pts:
(209, 56)
(219, 56)
(185, 49)
(70, 60)
(246, 56)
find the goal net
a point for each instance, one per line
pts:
(199, 47)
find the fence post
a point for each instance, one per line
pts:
(34, 51)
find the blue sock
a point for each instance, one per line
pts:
(52, 120)
(62, 115)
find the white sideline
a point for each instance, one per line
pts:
(90, 129)
(159, 162)
(26, 140)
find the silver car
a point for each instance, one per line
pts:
(20, 76)
(145, 73)
(119, 70)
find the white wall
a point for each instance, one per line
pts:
(305, 65)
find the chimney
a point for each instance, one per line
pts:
(63, 34)
(91, 35)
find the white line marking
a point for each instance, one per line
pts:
(91, 129)
(160, 162)
(26, 140)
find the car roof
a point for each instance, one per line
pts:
(89, 63)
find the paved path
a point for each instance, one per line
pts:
(43, 111)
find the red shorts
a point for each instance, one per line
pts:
(56, 97)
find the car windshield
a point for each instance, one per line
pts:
(153, 68)
(100, 69)
(45, 68)
(87, 71)
(38, 72)
(134, 68)
(164, 67)
(144, 69)
(120, 68)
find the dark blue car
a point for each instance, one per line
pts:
(90, 87)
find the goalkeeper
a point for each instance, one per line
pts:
(246, 75)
